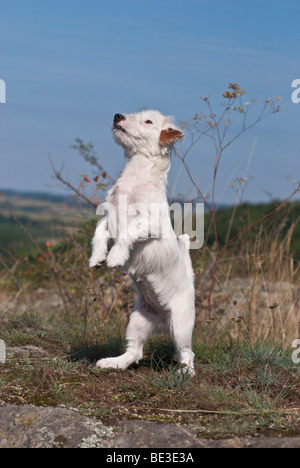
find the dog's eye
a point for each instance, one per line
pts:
(148, 122)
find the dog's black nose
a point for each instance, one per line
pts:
(118, 118)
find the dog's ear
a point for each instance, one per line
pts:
(170, 136)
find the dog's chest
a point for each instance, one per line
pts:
(148, 291)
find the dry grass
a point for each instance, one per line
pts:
(256, 293)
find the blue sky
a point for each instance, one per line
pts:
(70, 65)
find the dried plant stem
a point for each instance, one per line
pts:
(68, 184)
(212, 128)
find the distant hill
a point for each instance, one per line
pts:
(42, 196)
(47, 216)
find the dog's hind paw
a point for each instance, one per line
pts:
(110, 363)
(188, 370)
(119, 362)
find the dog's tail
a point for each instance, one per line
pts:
(184, 245)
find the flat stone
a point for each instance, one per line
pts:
(25, 351)
(34, 427)
(31, 427)
(149, 434)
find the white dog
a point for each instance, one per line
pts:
(157, 262)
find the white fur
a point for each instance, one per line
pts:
(160, 266)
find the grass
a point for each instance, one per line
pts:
(246, 383)
(240, 388)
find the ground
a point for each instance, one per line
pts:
(242, 397)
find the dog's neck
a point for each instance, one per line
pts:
(152, 169)
(163, 152)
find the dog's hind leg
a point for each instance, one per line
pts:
(141, 326)
(182, 321)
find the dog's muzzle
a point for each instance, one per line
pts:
(118, 118)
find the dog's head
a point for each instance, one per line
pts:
(147, 132)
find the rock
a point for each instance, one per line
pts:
(149, 434)
(25, 351)
(262, 296)
(31, 427)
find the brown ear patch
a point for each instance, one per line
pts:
(169, 135)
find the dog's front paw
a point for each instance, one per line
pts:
(116, 258)
(97, 259)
